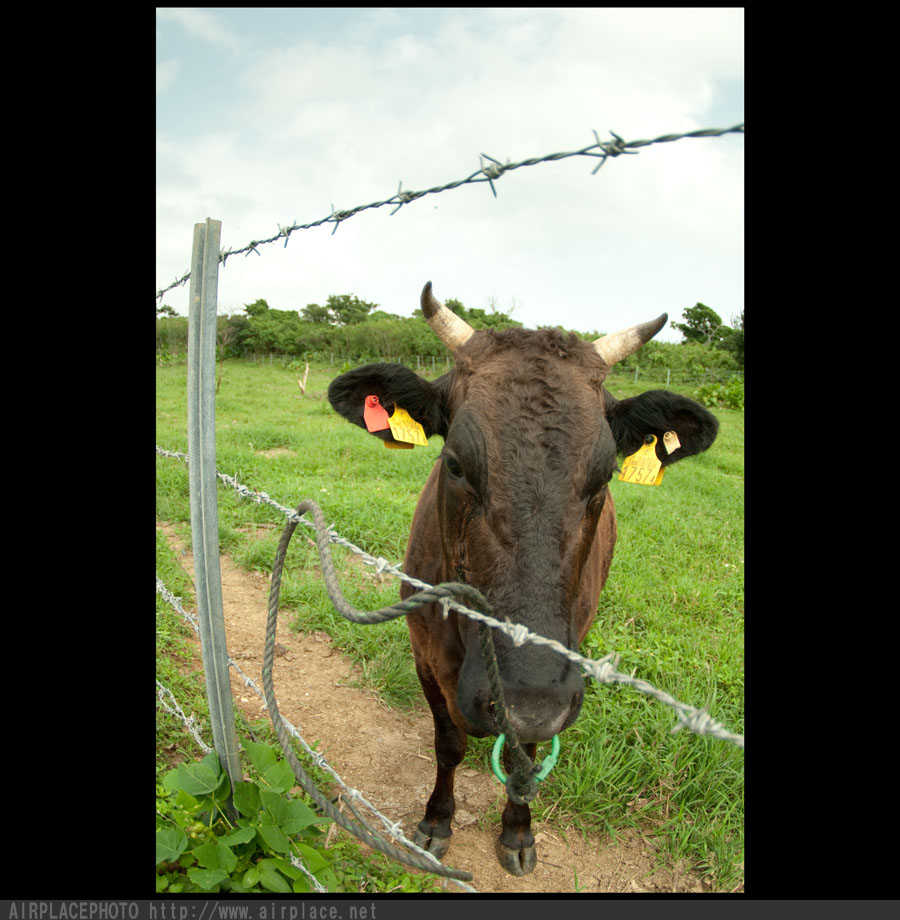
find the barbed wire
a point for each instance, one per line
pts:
(190, 722)
(354, 795)
(602, 670)
(602, 150)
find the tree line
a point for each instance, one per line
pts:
(356, 330)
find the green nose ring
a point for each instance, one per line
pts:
(548, 764)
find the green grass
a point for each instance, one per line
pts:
(673, 607)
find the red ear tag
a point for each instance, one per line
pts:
(374, 415)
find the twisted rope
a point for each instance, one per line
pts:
(603, 670)
(361, 830)
(352, 795)
(521, 784)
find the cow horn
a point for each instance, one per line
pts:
(619, 345)
(451, 329)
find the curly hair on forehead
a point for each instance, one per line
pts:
(526, 344)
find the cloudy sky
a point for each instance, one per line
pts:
(268, 117)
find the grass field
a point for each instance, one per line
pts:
(672, 609)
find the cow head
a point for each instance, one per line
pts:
(520, 493)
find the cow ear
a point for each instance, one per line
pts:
(394, 385)
(656, 412)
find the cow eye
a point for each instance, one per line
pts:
(453, 466)
(599, 484)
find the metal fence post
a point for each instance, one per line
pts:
(203, 489)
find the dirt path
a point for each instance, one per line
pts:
(389, 757)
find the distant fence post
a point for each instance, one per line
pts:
(203, 490)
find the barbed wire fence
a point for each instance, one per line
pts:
(603, 670)
(602, 150)
(202, 430)
(169, 703)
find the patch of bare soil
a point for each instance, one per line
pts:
(389, 757)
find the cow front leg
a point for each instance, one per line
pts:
(433, 832)
(515, 848)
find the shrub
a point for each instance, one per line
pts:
(199, 848)
(730, 394)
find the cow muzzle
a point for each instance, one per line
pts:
(543, 693)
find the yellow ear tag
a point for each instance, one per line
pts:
(643, 466)
(405, 428)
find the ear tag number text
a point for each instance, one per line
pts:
(406, 429)
(643, 466)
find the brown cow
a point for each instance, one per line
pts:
(519, 507)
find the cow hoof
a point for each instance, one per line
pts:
(437, 846)
(517, 862)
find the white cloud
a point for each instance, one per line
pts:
(166, 72)
(202, 24)
(308, 124)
